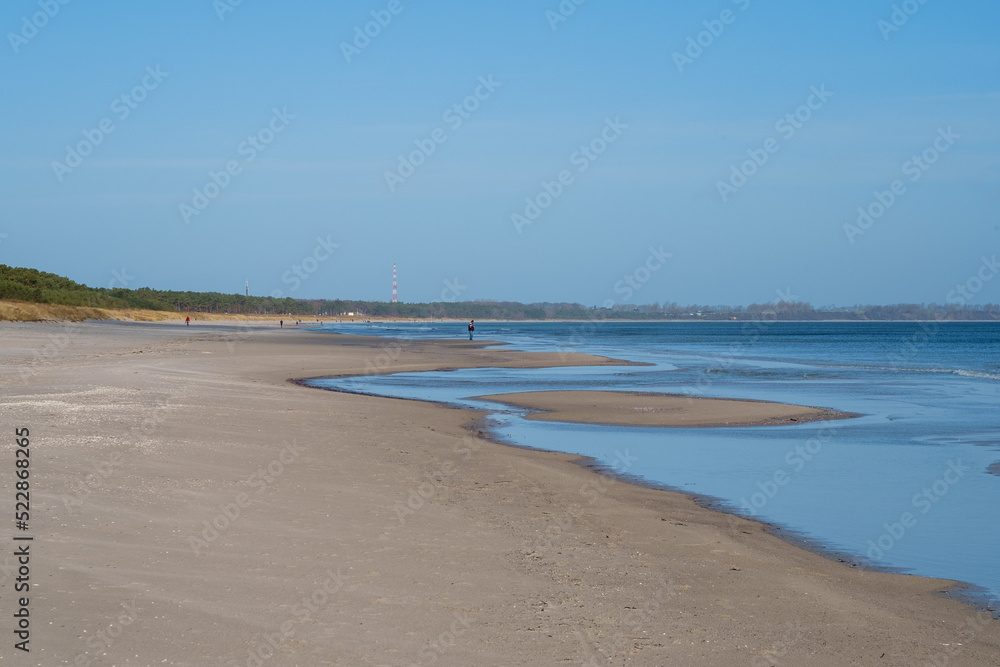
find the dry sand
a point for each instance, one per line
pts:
(384, 532)
(628, 408)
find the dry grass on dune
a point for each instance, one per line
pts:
(24, 311)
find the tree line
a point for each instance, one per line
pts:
(30, 285)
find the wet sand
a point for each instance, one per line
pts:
(191, 506)
(621, 408)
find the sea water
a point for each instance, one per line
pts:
(911, 485)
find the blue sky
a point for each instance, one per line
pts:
(313, 214)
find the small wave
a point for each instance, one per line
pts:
(752, 372)
(979, 439)
(978, 374)
(964, 372)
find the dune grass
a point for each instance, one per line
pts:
(25, 311)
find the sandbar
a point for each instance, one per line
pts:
(626, 408)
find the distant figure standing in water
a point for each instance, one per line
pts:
(472, 327)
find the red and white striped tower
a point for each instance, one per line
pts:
(394, 282)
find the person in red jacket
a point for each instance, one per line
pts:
(187, 321)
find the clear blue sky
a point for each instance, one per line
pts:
(323, 175)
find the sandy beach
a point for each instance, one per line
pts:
(192, 505)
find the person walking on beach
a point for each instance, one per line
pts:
(472, 327)
(281, 324)
(187, 321)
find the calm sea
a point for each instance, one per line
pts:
(912, 485)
